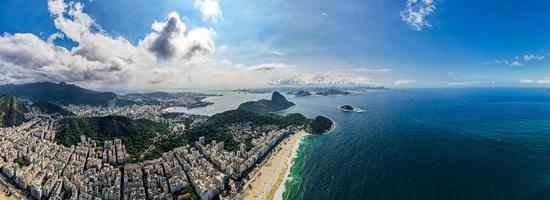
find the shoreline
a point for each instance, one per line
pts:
(268, 182)
(281, 186)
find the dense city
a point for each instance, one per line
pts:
(34, 166)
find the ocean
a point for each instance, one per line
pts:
(471, 143)
(482, 143)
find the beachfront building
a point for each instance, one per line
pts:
(207, 181)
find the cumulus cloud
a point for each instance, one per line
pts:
(170, 41)
(210, 9)
(39, 60)
(165, 57)
(97, 57)
(416, 13)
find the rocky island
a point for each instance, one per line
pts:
(277, 103)
(346, 108)
(319, 125)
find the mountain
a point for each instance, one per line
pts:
(61, 93)
(136, 135)
(12, 111)
(51, 108)
(332, 91)
(301, 93)
(278, 102)
(216, 128)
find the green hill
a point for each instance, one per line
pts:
(319, 125)
(61, 93)
(136, 135)
(51, 108)
(12, 111)
(215, 128)
(277, 103)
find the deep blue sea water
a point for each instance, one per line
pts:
(427, 144)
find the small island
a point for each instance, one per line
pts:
(277, 103)
(320, 125)
(346, 108)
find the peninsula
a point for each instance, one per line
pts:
(277, 103)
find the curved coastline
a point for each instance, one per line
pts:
(281, 186)
(269, 177)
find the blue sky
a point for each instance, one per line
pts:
(451, 43)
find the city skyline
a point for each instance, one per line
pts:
(206, 43)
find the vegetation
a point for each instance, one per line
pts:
(278, 102)
(215, 128)
(332, 91)
(12, 111)
(136, 135)
(21, 162)
(51, 108)
(319, 125)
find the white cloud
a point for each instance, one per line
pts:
(29, 56)
(527, 81)
(544, 81)
(402, 83)
(210, 9)
(169, 41)
(364, 69)
(55, 36)
(98, 58)
(464, 83)
(170, 56)
(323, 78)
(531, 57)
(416, 12)
(269, 66)
(279, 53)
(516, 64)
(519, 61)
(223, 47)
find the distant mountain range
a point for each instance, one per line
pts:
(61, 93)
(278, 102)
(12, 111)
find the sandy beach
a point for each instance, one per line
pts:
(271, 176)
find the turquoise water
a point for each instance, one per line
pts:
(427, 144)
